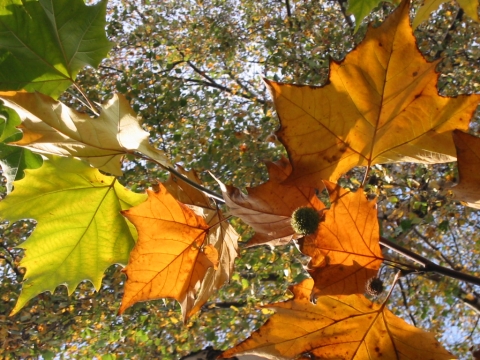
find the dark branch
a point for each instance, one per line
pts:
(343, 9)
(289, 13)
(427, 265)
(405, 302)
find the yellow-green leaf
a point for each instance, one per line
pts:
(80, 231)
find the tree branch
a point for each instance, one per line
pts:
(289, 13)
(425, 239)
(221, 87)
(427, 265)
(405, 302)
(345, 15)
(10, 261)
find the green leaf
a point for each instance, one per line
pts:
(44, 44)
(80, 230)
(362, 8)
(9, 121)
(14, 160)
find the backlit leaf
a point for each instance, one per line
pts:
(169, 259)
(380, 105)
(14, 160)
(222, 236)
(80, 231)
(50, 127)
(468, 153)
(44, 44)
(348, 327)
(268, 207)
(345, 251)
(362, 8)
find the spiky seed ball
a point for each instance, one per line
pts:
(374, 286)
(305, 220)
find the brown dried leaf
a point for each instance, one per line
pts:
(221, 236)
(268, 207)
(468, 154)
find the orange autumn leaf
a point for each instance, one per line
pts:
(345, 250)
(468, 153)
(169, 259)
(268, 207)
(337, 327)
(221, 236)
(380, 105)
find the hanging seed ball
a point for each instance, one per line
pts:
(305, 220)
(374, 286)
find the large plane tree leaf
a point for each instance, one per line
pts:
(468, 152)
(170, 258)
(348, 327)
(268, 207)
(44, 44)
(469, 6)
(221, 235)
(80, 231)
(380, 105)
(50, 127)
(345, 250)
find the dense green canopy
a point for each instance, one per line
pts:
(193, 71)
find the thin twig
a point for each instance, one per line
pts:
(91, 105)
(10, 260)
(11, 264)
(203, 189)
(110, 68)
(425, 239)
(289, 13)
(405, 302)
(345, 15)
(220, 87)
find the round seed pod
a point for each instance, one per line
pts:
(374, 286)
(305, 220)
